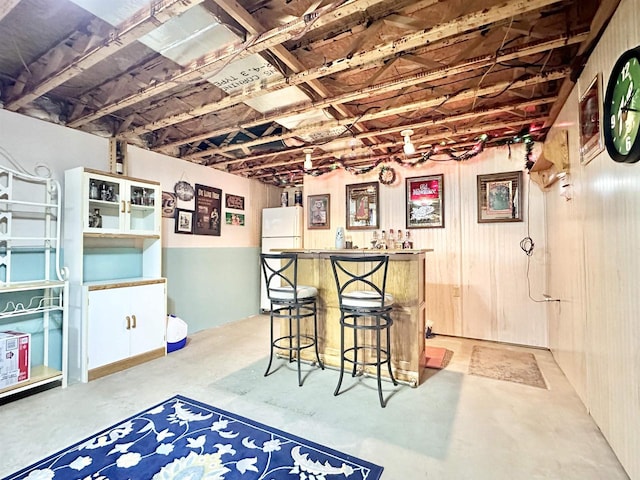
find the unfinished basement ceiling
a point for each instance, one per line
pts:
(247, 86)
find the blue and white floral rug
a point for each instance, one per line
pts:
(185, 439)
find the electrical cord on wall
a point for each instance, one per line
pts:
(527, 245)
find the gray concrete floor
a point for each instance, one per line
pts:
(453, 426)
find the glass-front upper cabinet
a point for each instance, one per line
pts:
(121, 205)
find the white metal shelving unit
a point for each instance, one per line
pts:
(33, 284)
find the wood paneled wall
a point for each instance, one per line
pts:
(476, 278)
(594, 263)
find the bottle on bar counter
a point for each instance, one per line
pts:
(398, 241)
(374, 239)
(382, 241)
(391, 240)
(408, 244)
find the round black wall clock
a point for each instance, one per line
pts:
(621, 123)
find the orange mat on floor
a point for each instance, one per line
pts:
(437, 357)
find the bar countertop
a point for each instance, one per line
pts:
(359, 251)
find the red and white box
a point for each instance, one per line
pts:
(14, 357)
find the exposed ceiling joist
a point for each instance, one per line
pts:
(7, 6)
(465, 23)
(84, 50)
(247, 85)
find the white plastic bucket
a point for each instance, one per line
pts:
(176, 333)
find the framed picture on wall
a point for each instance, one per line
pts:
(232, 218)
(500, 197)
(590, 121)
(208, 210)
(425, 201)
(362, 206)
(168, 204)
(184, 221)
(234, 201)
(319, 211)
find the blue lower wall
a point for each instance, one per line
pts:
(207, 287)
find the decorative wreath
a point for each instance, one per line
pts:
(387, 175)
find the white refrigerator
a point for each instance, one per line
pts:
(282, 227)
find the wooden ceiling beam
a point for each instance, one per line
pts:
(379, 72)
(513, 126)
(248, 21)
(464, 23)
(403, 109)
(6, 6)
(211, 63)
(361, 39)
(423, 62)
(404, 22)
(415, 126)
(600, 20)
(68, 59)
(396, 85)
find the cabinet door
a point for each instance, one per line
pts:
(108, 327)
(104, 210)
(148, 307)
(143, 208)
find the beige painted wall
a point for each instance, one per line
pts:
(476, 278)
(593, 266)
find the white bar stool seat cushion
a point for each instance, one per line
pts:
(286, 293)
(365, 299)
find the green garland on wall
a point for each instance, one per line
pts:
(436, 154)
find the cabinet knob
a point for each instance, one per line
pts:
(122, 206)
(128, 207)
(134, 321)
(128, 322)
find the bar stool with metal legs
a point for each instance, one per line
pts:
(290, 302)
(364, 307)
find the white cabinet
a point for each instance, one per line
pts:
(33, 286)
(124, 322)
(112, 239)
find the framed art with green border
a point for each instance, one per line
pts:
(500, 197)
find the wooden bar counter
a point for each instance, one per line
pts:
(405, 281)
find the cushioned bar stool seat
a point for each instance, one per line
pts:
(365, 307)
(290, 302)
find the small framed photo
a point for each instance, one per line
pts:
(184, 221)
(500, 197)
(169, 204)
(234, 201)
(362, 206)
(319, 211)
(590, 121)
(425, 201)
(232, 218)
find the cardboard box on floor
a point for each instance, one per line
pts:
(14, 357)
